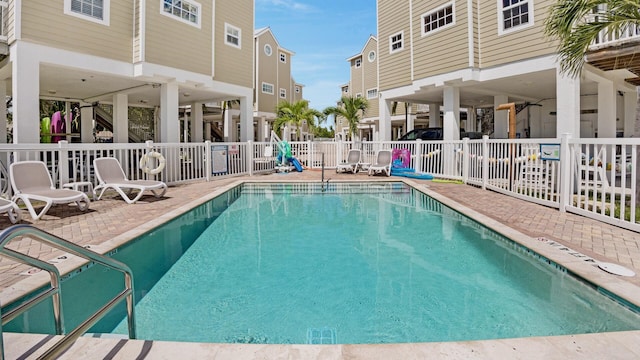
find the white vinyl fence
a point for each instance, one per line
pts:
(591, 177)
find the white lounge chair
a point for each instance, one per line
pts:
(111, 176)
(31, 181)
(382, 164)
(12, 210)
(353, 162)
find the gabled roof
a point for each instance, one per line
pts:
(371, 38)
(259, 32)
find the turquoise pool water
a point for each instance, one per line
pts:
(357, 263)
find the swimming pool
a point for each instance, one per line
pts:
(402, 268)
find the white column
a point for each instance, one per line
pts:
(606, 110)
(86, 123)
(207, 130)
(471, 119)
(262, 128)
(196, 122)
(451, 109)
(630, 106)
(568, 105)
(384, 131)
(229, 134)
(3, 112)
(246, 118)
(500, 118)
(25, 90)
(120, 118)
(434, 115)
(411, 122)
(169, 122)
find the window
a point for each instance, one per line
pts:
(232, 36)
(358, 62)
(372, 93)
(372, 56)
(93, 10)
(283, 93)
(437, 19)
(298, 89)
(185, 11)
(267, 88)
(515, 14)
(345, 89)
(283, 57)
(395, 42)
(268, 50)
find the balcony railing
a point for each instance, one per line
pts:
(628, 33)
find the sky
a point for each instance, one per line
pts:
(322, 35)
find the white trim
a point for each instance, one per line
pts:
(369, 56)
(17, 26)
(263, 90)
(375, 95)
(402, 39)
(358, 62)
(106, 6)
(178, 18)
(433, 12)
(143, 26)
(411, 51)
(530, 23)
(228, 27)
(283, 93)
(270, 52)
(283, 57)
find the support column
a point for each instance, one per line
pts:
(3, 112)
(169, 123)
(471, 124)
(246, 118)
(606, 110)
(207, 130)
(500, 118)
(629, 112)
(26, 97)
(568, 105)
(86, 123)
(261, 129)
(385, 119)
(451, 109)
(434, 115)
(120, 118)
(196, 122)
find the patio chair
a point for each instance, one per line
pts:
(353, 162)
(111, 176)
(31, 182)
(382, 164)
(12, 210)
(267, 161)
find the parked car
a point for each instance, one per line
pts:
(436, 133)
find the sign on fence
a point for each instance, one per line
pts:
(219, 159)
(550, 152)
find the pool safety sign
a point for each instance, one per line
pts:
(550, 152)
(219, 159)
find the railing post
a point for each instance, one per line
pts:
(250, 156)
(565, 172)
(309, 154)
(63, 163)
(207, 160)
(465, 160)
(485, 161)
(420, 158)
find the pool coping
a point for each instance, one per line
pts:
(580, 268)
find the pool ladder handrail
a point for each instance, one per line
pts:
(54, 291)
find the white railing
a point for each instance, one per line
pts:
(591, 177)
(627, 33)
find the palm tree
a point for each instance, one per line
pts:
(577, 23)
(295, 113)
(350, 108)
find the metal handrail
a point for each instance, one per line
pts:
(11, 233)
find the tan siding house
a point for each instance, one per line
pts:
(173, 56)
(459, 58)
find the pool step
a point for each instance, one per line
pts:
(319, 336)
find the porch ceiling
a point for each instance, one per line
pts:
(532, 87)
(622, 57)
(72, 84)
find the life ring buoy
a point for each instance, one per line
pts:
(145, 160)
